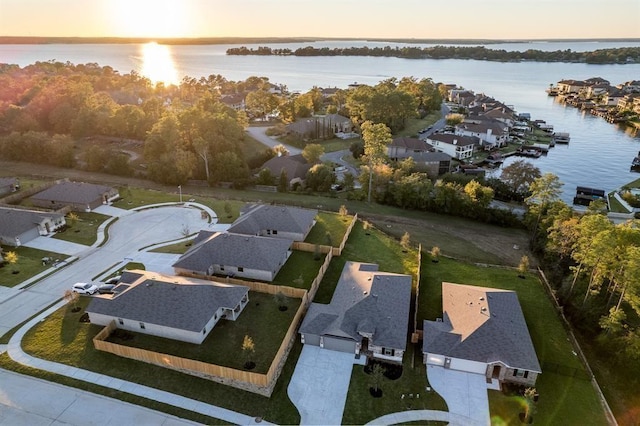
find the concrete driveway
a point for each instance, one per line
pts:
(319, 385)
(259, 134)
(57, 246)
(465, 393)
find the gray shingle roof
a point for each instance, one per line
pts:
(295, 166)
(228, 249)
(481, 324)
(452, 139)
(73, 192)
(411, 143)
(365, 301)
(170, 301)
(282, 218)
(14, 222)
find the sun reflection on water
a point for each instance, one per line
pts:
(158, 65)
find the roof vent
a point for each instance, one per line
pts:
(365, 292)
(483, 309)
(481, 298)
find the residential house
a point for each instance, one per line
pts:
(631, 86)
(18, 226)
(594, 81)
(8, 185)
(459, 147)
(295, 166)
(491, 133)
(461, 97)
(482, 331)
(236, 255)
(433, 163)
(172, 307)
(570, 86)
(612, 98)
(368, 314)
(234, 101)
(320, 127)
(630, 102)
(401, 148)
(287, 222)
(502, 115)
(78, 195)
(597, 90)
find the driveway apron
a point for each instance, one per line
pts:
(465, 393)
(319, 385)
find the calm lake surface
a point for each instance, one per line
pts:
(598, 156)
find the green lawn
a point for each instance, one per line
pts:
(374, 248)
(563, 400)
(337, 144)
(84, 230)
(331, 223)
(615, 205)
(223, 346)
(414, 124)
(299, 263)
(29, 264)
(361, 407)
(177, 248)
(63, 338)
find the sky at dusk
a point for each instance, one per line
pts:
(490, 19)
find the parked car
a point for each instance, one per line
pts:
(113, 280)
(84, 288)
(106, 288)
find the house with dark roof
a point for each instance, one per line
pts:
(79, 196)
(401, 148)
(320, 127)
(460, 147)
(483, 331)
(18, 226)
(295, 166)
(368, 314)
(237, 255)
(8, 185)
(177, 308)
(286, 222)
(433, 163)
(492, 133)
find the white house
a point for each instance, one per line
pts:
(482, 331)
(237, 255)
(167, 306)
(18, 226)
(460, 147)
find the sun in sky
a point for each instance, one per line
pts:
(149, 18)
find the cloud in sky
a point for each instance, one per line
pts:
(500, 19)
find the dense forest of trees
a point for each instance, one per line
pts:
(601, 56)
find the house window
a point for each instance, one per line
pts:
(120, 321)
(204, 330)
(519, 373)
(388, 351)
(526, 374)
(240, 269)
(221, 268)
(274, 232)
(142, 325)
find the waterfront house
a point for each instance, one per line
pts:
(612, 97)
(178, 308)
(482, 331)
(236, 255)
(19, 226)
(234, 101)
(490, 133)
(287, 222)
(459, 147)
(79, 196)
(631, 86)
(368, 314)
(566, 87)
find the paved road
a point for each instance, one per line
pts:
(336, 157)
(26, 400)
(258, 133)
(127, 235)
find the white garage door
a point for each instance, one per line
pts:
(341, 345)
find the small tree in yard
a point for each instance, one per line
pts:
(435, 254)
(343, 212)
(328, 239)
(299, 281)
(72, 297)
(72, 218)
(366, 226)
(316, 252)
(523, 267)
(11, 257)
(281, 300)
(377, 373)
(248, 348)
(530, 404)
(227, 209)
(405, 241)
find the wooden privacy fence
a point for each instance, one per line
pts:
(259, 383)
(24, 193)
(346, 235)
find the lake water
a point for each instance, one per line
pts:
(599, 154)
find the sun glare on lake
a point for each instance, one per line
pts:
(158, 65)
